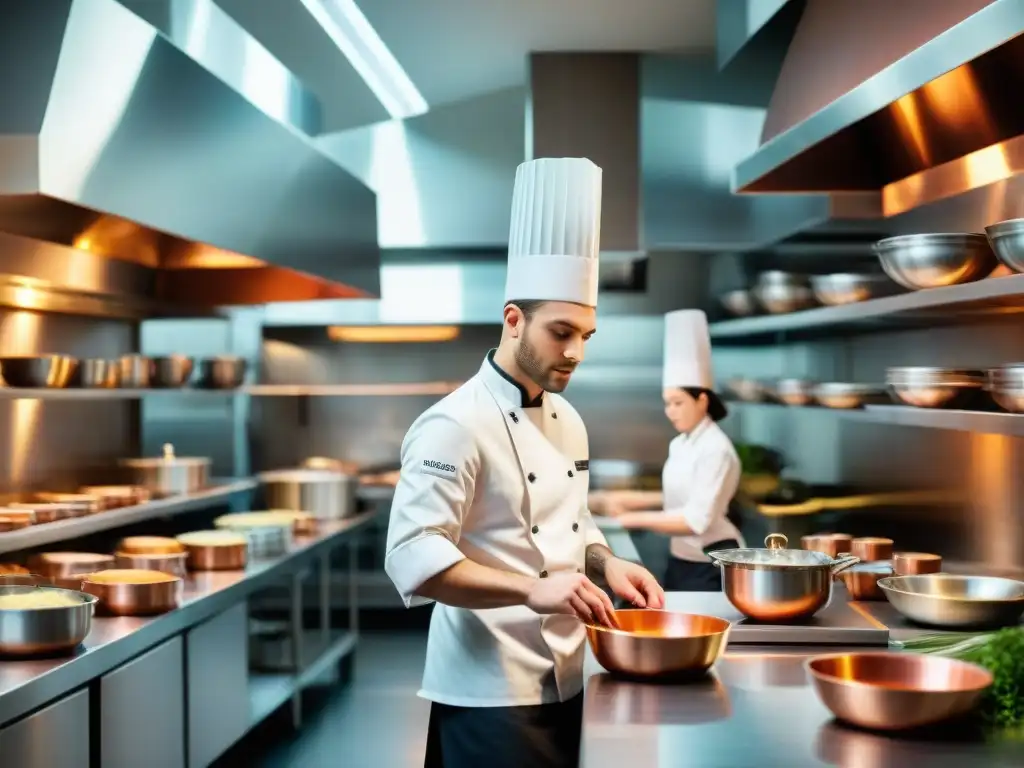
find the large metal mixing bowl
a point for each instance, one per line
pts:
(929, 387)
(740, 303)
(43, 631)
(778, 584)
(38, 371)
(845, 288)
(658, 644)
(952, 602)
(936, 260)
(1007, 240)
(896, 691)
(842, 395)
(172, 371)
(794, 391)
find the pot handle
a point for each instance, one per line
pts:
(843, 562)
(776, 541)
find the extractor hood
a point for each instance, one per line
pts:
(916, 99)
(177, 148)
(668, 130)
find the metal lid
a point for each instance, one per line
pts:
(774, 554)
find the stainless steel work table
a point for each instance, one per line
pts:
(26, 685)
(756, 709)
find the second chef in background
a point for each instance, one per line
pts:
(702, 472)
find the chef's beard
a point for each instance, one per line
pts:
(539, 372)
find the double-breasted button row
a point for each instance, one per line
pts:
(536, 528)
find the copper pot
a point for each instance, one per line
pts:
(658, 644)
(872, 548)
(150, 545)
(87, 503)
(130, 592)
(117, 496)
(861, 579)
(23, 517)
(216, 550)
(66, 565)
(174, 563)
(915, 563)
(51, 512)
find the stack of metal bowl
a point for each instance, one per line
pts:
(936, 260)
(794, 391)
(1006, 386)
(1007, 240)
(844, 395)
(746, 390)
(782, 292)
(931, 387)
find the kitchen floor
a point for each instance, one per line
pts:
(376, 720)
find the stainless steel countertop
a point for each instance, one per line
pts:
(28, 684)
(756, 709)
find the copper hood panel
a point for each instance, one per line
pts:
(872, 93)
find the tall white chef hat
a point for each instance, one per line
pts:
(687, 357)
(555, 234)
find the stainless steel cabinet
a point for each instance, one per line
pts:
(218, 685)
(54, 737)
(143, 710)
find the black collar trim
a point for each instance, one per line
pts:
(524, 396)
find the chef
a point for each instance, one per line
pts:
(702, 472)
(490, 515)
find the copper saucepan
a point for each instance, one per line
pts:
(134, 592)
(174, 563)
(216, 550)
(658, 644)
(66, 569)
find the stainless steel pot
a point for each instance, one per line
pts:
(956, 602)
(222, 372)
(325, 494)
(778, 584)
(169, 475)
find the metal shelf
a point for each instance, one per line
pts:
(989, 296)
(352, 390)
(1011, 424)
(49, 533)
(113, 393)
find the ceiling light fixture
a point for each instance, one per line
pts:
(355, 37)
(384, 334)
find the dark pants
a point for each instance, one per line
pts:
(541, 736)
(689, 576)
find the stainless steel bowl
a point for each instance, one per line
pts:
(747, 390)
(222, 372)
(740, 303)
(38, 371)
(97, 373)
(845, 288)
(776, 584)
(172, 371)
(44, 631)
(326, 494)
(929, 387)
(135, 371)
(936, 260)
(794, 391)
(949, 601)
(779, 277)
(1007, 240)
(779, 299)
(843, 395)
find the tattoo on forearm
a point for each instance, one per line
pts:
(597, 556)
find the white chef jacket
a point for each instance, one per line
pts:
(699, 480)
(488, 476)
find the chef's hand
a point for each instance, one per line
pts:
(573, 594)
(634, 583)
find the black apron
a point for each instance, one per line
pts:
(690, 576)
(541, 736)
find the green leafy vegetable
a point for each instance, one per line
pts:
(1001, 653)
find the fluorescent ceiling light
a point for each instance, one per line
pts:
(355, 37)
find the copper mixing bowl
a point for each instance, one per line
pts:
(896, 691)
(658, 644)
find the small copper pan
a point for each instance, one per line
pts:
(22, 518)
(872, 549)
(86, 503)
(66, 565)
(915, 563)
(832, 544)
(116, 496)
(861, 579)
(150, 545)
(216, 550)
(51, 512)
(174, 563)
(132, 592)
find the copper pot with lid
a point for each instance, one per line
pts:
(776, 584)
(170, 475)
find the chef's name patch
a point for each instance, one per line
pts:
(439, 468)
(583, 466)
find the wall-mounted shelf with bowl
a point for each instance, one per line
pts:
(353, 390)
